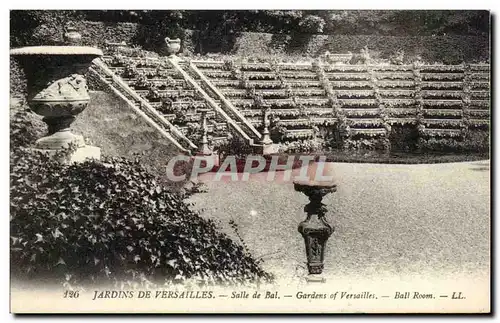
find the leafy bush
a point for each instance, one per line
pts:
(312, 24)
(477, 141)
(403, 138)
(111, 222)
(17, 80)
(25, 127)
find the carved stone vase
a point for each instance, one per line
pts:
(315, 229)
(57, 90)
(72, 36)
(173, 46)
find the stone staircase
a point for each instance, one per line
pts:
(142, 106)
(234, 120)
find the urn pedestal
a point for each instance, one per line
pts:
(315, 229)
(57, 90)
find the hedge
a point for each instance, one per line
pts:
(109, 221)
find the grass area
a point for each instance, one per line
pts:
(390, 220)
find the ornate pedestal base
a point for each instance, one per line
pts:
(314, 279)
(315, 229)
(59, 140)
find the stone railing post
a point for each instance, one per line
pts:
(266, 139)
(204, 149)
(205, 154)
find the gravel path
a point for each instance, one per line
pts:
(389, 220)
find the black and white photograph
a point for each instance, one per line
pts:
(250, 161)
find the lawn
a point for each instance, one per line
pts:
(390, 220)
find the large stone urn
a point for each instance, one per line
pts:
(173, 46)
(315, 229)
(57, 90)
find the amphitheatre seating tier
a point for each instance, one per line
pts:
(441, 100)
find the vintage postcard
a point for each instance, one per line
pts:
(250, 161)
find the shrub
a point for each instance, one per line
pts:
(403, 138)
(25, 127)
(111, 222)
(17, 80)
(312, 24)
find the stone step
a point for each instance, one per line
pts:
(365, 122)
(170, 93)
(441, 123)
(431, 132)
(443, 112)
(170, 116)
(306, 121)
(401, 111)
(442, 103)
(480, 122)
(252, 75)
(402, 120)
(299, 133)
(222, 82)
(442, 85)
(368, 131)
(181, 104)
(442, 76)
(348, 76)
(479, 114)
(174, 82)
(360, 112)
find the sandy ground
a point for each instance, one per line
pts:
(390, 220)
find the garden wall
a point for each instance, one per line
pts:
(452, 49)
(448, 49)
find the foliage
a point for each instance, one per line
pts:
(312, 24)
(17, 80)
(40, 27)
(233, 146)
(474, 141)
(25, 127)
(301, 146)
(111, 222)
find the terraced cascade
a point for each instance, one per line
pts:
(452, 100)
(361, 110)
(292, 93)
(351, 106)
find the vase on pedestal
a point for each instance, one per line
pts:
(315, 229)
(173, 46)
(72, 36)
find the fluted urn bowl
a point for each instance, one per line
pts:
(57, 88)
